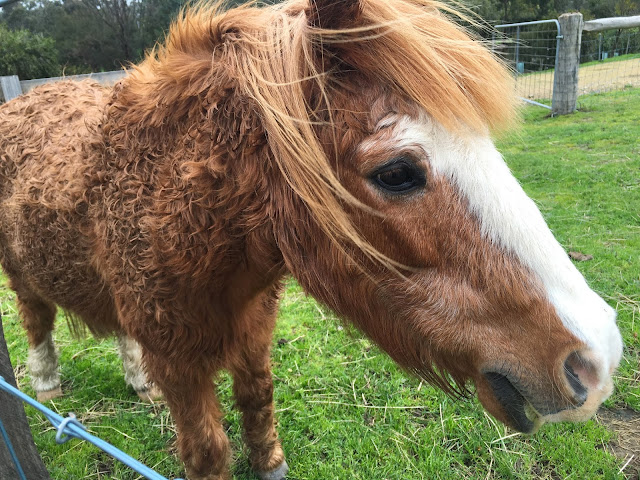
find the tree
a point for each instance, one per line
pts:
(99, 35)
(155, 17)
(626, 8)
(27, 55)
(120, 17)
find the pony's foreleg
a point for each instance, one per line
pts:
(189, 391)
(253, 392)
(38, 317)
(134, 373)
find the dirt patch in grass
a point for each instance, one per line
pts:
(544, 470)
(625, 423)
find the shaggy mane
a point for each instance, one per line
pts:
(272, 55)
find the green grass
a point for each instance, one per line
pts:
(345, 410)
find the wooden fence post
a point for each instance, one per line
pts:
(565, 79)
(17, 427)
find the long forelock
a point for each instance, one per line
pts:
(272, 52)
(416, 48)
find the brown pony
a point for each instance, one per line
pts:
(344, 142)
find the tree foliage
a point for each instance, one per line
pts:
(79, 36)
(94, 35)
(511, 11)
(26, 54)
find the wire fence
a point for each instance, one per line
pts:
(67, 428)
(530, 48)
(609, 60)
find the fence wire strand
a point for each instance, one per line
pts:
(70, 427)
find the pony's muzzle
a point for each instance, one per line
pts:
(573, 395)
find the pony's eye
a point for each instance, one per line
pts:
(399, 176)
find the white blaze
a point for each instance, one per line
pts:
(511, 220)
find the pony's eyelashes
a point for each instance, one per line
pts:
(399, 176)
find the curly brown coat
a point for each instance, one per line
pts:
(171, 206)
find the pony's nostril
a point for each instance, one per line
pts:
(572, 366)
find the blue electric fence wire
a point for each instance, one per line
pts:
(12, 452)
(70, 427)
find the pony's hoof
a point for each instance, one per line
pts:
(279, 473)
(47, 395)
(150, 393)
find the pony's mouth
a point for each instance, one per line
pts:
(519, 411)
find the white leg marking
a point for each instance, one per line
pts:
(43, 365)
(131, 356)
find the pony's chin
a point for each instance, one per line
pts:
(534, 417)
(525, 419)
(505, 400)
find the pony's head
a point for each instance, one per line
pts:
(390, 204)
(404, 102)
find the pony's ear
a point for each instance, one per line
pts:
(334, 14)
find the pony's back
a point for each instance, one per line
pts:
(41, 134)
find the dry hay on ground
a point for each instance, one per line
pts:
(600, 77)
(625, 423)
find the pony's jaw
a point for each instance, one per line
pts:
(509, 220)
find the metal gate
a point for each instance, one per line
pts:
(531, 49)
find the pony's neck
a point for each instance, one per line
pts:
(208, 148)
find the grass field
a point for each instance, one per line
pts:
(345, 410)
